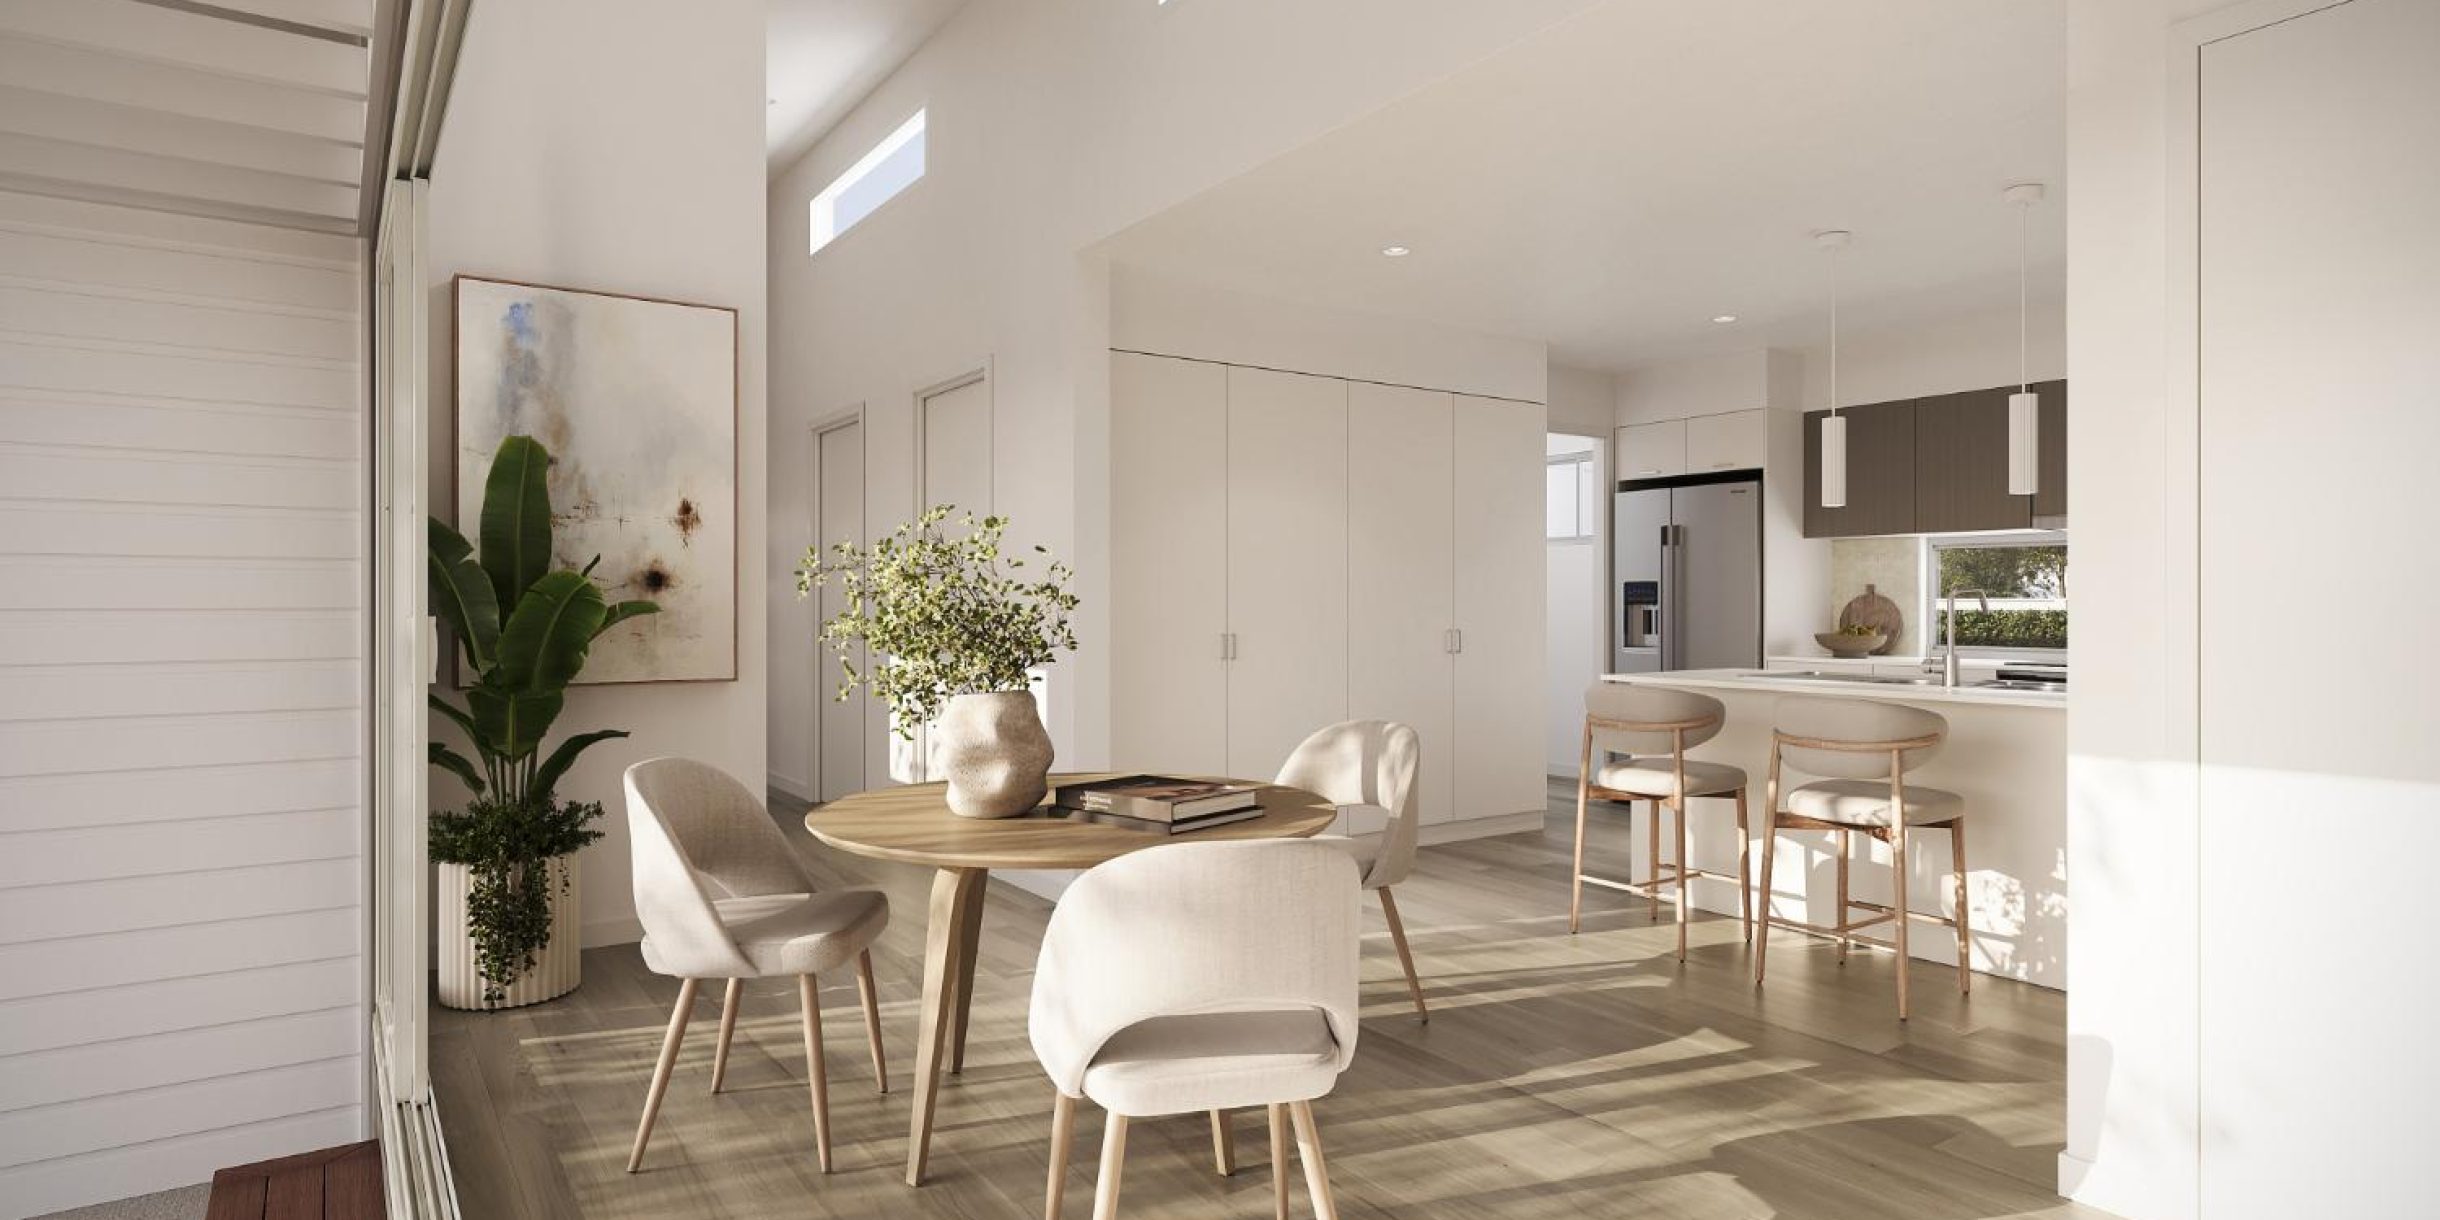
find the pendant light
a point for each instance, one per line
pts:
(2024, 407)
(1834, 425)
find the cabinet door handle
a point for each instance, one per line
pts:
(1722, 465)
(1228, 646)
(1457, 639)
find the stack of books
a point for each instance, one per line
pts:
(1158, 804)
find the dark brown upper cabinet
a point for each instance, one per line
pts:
(1961, 464)
(1880, 472)
(1937, 465)
(2050, 497)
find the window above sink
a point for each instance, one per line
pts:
(2024, 577)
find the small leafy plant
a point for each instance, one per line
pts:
(941, 614)
(524, 631)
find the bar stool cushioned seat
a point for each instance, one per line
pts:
(1657, 777)
(1865, 802)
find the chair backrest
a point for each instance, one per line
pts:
(696, 835)
(1188, 928)
(1366, 762)
(1870, 728)
(1636, 720)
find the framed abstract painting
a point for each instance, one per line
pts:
(636, 399)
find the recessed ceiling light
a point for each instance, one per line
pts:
(1724, 319)
(1395, 251)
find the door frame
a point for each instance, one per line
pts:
(855, 416)
(982, 371)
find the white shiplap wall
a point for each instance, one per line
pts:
(181, 683)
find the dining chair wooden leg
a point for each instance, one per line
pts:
(1846, 848)
(1682, 907)
(1406, 960)
(1063, 1134)
(1897, 863)
(728, 1026)
(1317, 1171)
(1224, 1144)
(1584, 796)
(872, 1020)
(1745, 887)
(1965, 914)
(817, 1080)
(1279, 1161)
(1113, 1164)
(660, 1071)
(1762, 909)
(1652, 855)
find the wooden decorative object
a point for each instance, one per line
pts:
(1870, 609)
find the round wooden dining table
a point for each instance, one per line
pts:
(913, 825)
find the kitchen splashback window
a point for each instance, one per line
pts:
(2023, 576)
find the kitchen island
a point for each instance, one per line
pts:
(2006, 754)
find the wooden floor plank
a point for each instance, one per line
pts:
(1560, 1076)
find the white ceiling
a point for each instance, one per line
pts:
(823, 56)
(248, 109)
(1612, 184)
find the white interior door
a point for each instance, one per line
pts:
(1287, 563)
(402, 653)
(1401, 556)
(1500, 658)
(838, 517)
(953, 435)
(2318, 418)
(1169, 564)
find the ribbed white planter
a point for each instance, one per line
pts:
(558, 968)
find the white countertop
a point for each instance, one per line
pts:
(1768, 682)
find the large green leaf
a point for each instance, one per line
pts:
(462, 595)
(517, 518)
(623, 611)
(546, 777)
(511, 723)
(545, 640)
(455, 763)
(459, 718)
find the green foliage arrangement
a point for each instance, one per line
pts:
(2006, 629)
(942, 614)
(524, 631)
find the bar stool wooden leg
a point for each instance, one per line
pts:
(1680, 811)
(1965, 915)
(1063, 1135)
(1745, 888)
(1652, 855)
(1897, 860)
(1770, 852)
(1846, 848)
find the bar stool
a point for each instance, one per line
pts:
(1655, 726)
(1863, 748)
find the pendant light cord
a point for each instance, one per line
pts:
(2023, 383)
(1834, 253)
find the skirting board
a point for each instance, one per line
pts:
(1050, 885)
(793, 789)
(622, 931)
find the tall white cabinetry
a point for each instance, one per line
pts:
(1291, 550)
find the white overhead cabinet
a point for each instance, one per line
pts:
(1651, 451)
(1736, 440)
(1290, 551)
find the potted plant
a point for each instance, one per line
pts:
(955, 631)
(507, 861)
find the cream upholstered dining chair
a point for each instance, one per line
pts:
(1863, 749)
(1368, 767)
(1199, 977)
(721, 895)
(1654, 727)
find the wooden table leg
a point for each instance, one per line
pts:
(953, 891)
(970, 938)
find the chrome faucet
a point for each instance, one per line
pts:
(1948, 656)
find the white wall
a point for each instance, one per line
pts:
(2133, 1126)
(181, 793)
(1705, 385)
(1051, 127)
(1583, 402)
(1942, 355)
(617, 145)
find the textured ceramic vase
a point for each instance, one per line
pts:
(994, 752)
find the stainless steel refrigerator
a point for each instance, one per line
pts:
(1686, 577)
